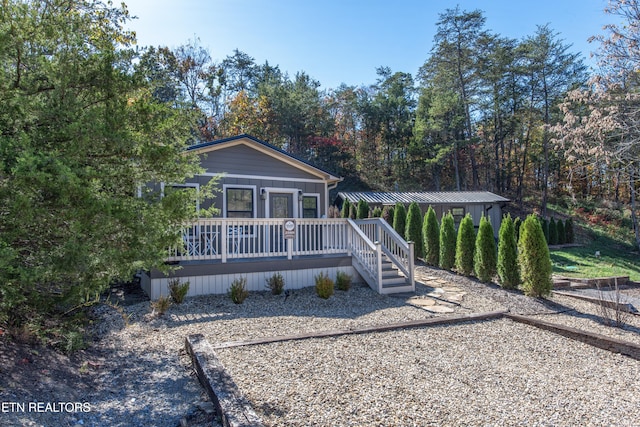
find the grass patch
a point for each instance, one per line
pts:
(582, 261)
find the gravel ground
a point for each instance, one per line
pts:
(486, 373)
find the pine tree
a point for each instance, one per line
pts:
(508, 269)
(569, 231)
(534, 259)
(484, 256)
(553, 232)
(431, 236)
(362, 209)
(544, 223)
(413, 232)
(465, 245)
(562, 234)
(399, 218)
(346, 208)
(447, 242)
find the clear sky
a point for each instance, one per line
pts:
(343, 41)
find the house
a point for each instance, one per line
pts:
(273, 218)
(459, 203)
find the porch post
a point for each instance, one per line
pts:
(379, 266)
(224, 235)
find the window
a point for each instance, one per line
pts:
(458, 214)
(310, 207)
(239, 202)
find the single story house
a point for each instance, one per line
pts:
(459, 203)
(273, 219)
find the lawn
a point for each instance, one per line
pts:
(583, 262)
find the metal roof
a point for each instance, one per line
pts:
(429, 198)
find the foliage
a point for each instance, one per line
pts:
(534, 259)
(387, 214)
(569, 231)
(553, 232)
(485, 257)
(517, 222)
(399, 218)
(377, 212)
(362, 210)
(465, 246)
(343, 281)
(353, 211)
(508, 269)
(81, 133)
(238, 290)
(324, 285)
(447, 242)
(346, 208)
(544, 223)
(275, 283)
(161, 305)
(562, 233)
(178, 291)
(413, 232)
(431, 236)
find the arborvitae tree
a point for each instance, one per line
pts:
(387, 214)
(377, 212)
(562, 236)
(508, 269)
(544, 223)
(413, 232)
(431, 236)
(465, 245)
(353, 211)
(569, 231)
(484, 256)
(447, 242)
(516, 225)
(399, 218)
(553, 232)
(362, 210)
(346, 209)
(534, 259)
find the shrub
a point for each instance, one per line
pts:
(324, 286)
(238, 290)
(343, 281)
(553, 232)
(569, 231)
(353, 211)
(413, 231)
(178, 291)
(562, 234)
(447, 242)
(362, 210)
(484, 255)
(275, 283)
(516, 224)
(399, 218)
(346, 208)
(508, 270)
(377, 212)
(387, 214)
(545, 229)
(431, 236)
(465, 245)
(161, 305)
(534, 259)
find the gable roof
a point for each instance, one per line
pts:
(432, 197)
(268, 149)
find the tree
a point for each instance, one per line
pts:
(363, 209)
(562, 236)
(465, 246)
(81, 134)
(553, 232)
(508, 269)
(413, 232)
(534, 259)
(484, 256)
(346, 208)
(431, 235)
(447, 242)
(399, 218)
(568, 231)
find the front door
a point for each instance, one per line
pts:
(280, 205)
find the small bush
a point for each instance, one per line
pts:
(275, 283)
(431, 237)
(343, 281)
(362, 210)
(178, 291)
(484, 256)
(346, 208)
(447, 242)
(413, 231)
(534, 259)
(238, 290)
(465, 246)
(161, 305)
(399, 218)
(324, 286)
(508, 269)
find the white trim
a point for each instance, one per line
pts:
(317, 196)
(261, 177)
(224, 197)
(293, 191)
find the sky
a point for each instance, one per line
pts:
(344, 41)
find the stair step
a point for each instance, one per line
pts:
(394, 281)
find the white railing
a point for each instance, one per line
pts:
(226, 238)
(399, 251)
(367, 256)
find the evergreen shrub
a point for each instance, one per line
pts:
(553, 232)
(447, 242)
(431, 236)
(465, 245)
(508, 269)
(399, 218)
(413, 232)
(362, 209)
(534, 259)
(485, 256)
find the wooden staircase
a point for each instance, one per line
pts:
(392, 280)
